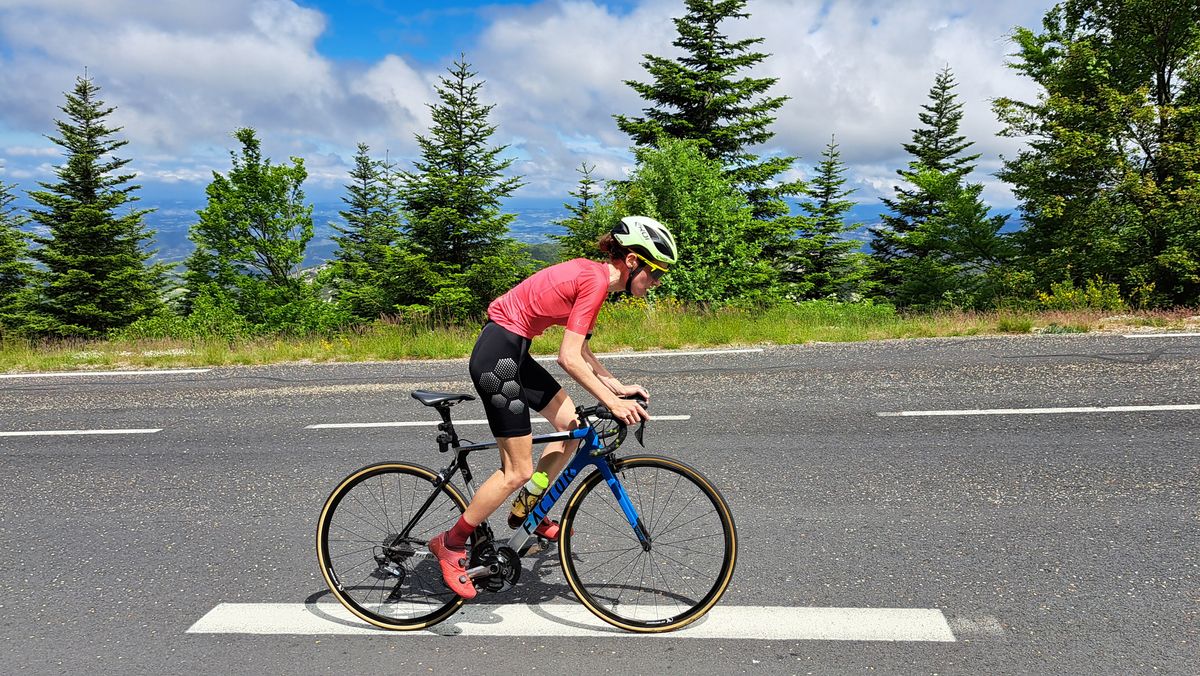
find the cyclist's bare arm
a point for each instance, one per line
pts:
(579, 363)
(610, 381)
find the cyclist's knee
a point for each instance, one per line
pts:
(515, 477)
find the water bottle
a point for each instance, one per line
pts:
(527, 498)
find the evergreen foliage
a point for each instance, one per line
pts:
(700, 97)
(583, 230)
(95, 275)
(371, 227)
(250, 243)
(1109, 183)
(823, 263)
(461, 256)
(937, 219)
(675, 183)
(15, 268)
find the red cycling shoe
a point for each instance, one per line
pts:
(454, 567)
(548, 529)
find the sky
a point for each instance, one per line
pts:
(316, 77)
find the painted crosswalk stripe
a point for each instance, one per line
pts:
(67, 433)
(560, 619)
(434, 423)
(81, 374)
(1042, 411)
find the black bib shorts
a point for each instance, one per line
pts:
(509, 381)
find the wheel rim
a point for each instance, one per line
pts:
(388, 581)
(690, 561)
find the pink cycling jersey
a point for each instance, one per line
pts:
(569, 293)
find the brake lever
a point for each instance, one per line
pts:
(637, 434)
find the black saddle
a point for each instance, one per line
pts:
(440, 398)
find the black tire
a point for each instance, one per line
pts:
(692, 555)
(401, 587)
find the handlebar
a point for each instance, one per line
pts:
(601, 412)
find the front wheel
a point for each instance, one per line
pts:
(372, 545)
(690, 559)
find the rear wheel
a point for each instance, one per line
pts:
(381, 574)
(690, 560)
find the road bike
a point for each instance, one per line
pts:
(647, 543)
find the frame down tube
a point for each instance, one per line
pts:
(579, 462)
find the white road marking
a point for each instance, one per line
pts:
(80, 374)
(694, 353)
(65, 433)
(1042, 411)
(1161, 335)
(434, 423)
(560, 619)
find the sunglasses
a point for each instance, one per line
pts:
(656, 271)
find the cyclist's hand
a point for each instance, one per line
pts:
(635, 391)
(628, 411)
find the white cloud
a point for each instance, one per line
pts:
(184, 75)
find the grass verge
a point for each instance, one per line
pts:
(623, 326)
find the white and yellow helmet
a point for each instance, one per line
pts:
(648, 238)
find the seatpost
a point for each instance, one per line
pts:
(448, 437)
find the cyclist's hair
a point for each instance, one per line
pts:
(609, 245)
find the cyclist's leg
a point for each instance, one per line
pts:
(548, 398)
(516, 461)
(561, 413)
(498, 363)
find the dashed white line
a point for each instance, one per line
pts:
(1161, 335)
(1041, 411)
(67, 433)
(434, 423)
(80, 374)
(560, 619)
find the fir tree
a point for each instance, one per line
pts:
(824, 263)
(701, 97)
(452, 202)
(371, 225)
(96, 275)
(583, 231)
(15, 268)
(935, 147)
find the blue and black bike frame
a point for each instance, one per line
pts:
(591, 452)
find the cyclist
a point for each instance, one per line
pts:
(510, 382)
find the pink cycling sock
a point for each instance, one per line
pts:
(456, 538)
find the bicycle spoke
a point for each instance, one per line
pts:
(688, 563)
(406, 589)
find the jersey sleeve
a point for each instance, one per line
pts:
(590, 295)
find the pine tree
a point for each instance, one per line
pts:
(824, 263)
(371, 227)
(452, 202)
(936, 147)
(15, 268)
(583, 230)
(251, 237)
(96, 274)
(700, 97)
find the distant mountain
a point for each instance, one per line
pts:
(534, 224)
(172, 221)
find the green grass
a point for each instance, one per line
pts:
(623, 326)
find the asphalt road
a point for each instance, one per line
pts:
(1052, 543)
